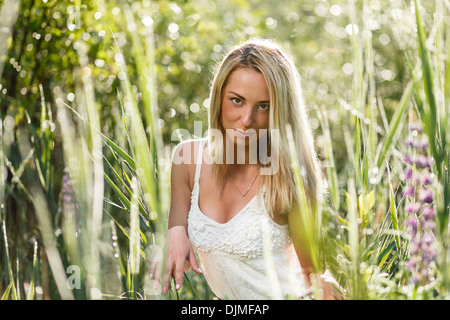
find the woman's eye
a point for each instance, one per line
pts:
(264, 107)
(236, 100)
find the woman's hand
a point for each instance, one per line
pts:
(323, 286)
(180, 257)
(329, 287)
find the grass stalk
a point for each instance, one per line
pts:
(95, 217)
(144, 54)
(134, 255)
(331, 167)
(50, 243)
(393, 210)
(354, 248)
(308, 222)
(31, 290)
(145, 162)
(75, 220)
(13, 289)
(436, 123)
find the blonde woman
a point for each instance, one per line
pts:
(233, 193)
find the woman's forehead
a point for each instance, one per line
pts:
(246, 81)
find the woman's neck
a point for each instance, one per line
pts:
(241, 154)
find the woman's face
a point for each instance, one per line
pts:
(245, 106)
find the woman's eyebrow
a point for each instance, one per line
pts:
(242, 98)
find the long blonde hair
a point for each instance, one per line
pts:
(286, 107)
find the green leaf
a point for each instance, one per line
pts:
(394, 126)
(385, 254)
(30, 295)
(6, 293)
(426, 67)
(393, 209)
(331, 168)
(125, 185)
(114, 147)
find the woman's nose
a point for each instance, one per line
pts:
(247, 116)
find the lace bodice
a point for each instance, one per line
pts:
(250, 247)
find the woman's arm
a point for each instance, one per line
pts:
(178, 247)
(180, 185)
(300, 243)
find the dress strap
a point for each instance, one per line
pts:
(199, 161)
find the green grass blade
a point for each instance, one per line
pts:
(121, 271)
(127, 203)
(331, 168)
(447, 76)
(95, 218)
(395, 126)
(365, 167)
(350, 147)
(309, 220)
(134, 255)
(50, 244)
(31, 290)
(357, 61)
(385, 254)
(353, 229)
(8, 261)
(125, 185)
(5, 294)
(123, 198)
(124, 155)
(393, 208)
(144, 54)
(429, 111)
(146, 168)
(426, 67)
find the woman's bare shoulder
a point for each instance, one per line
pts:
(184, 159)
(186, 152)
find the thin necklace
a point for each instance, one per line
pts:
(248, 189)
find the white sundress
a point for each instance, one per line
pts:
(249, 257)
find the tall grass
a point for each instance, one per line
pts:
(373, 250)
(434, 107)
(100, 200)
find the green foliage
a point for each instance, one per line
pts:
(93, 93)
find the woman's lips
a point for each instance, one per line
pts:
(244, 134)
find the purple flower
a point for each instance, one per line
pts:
(430, 254)
(427, 238)
(412, 263)
(427, 179)
(428, 212)
(421, 213)
(417, 180)
(412, 207)
(408, 173)
(430, 161)
(408, 159)
(422, 144)
(430, 225)
(409, 141)
(414, 246)
(425, 195)
(410, 191)
(421, 161)
(412, 222)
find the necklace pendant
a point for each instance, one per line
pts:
(248, 189)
